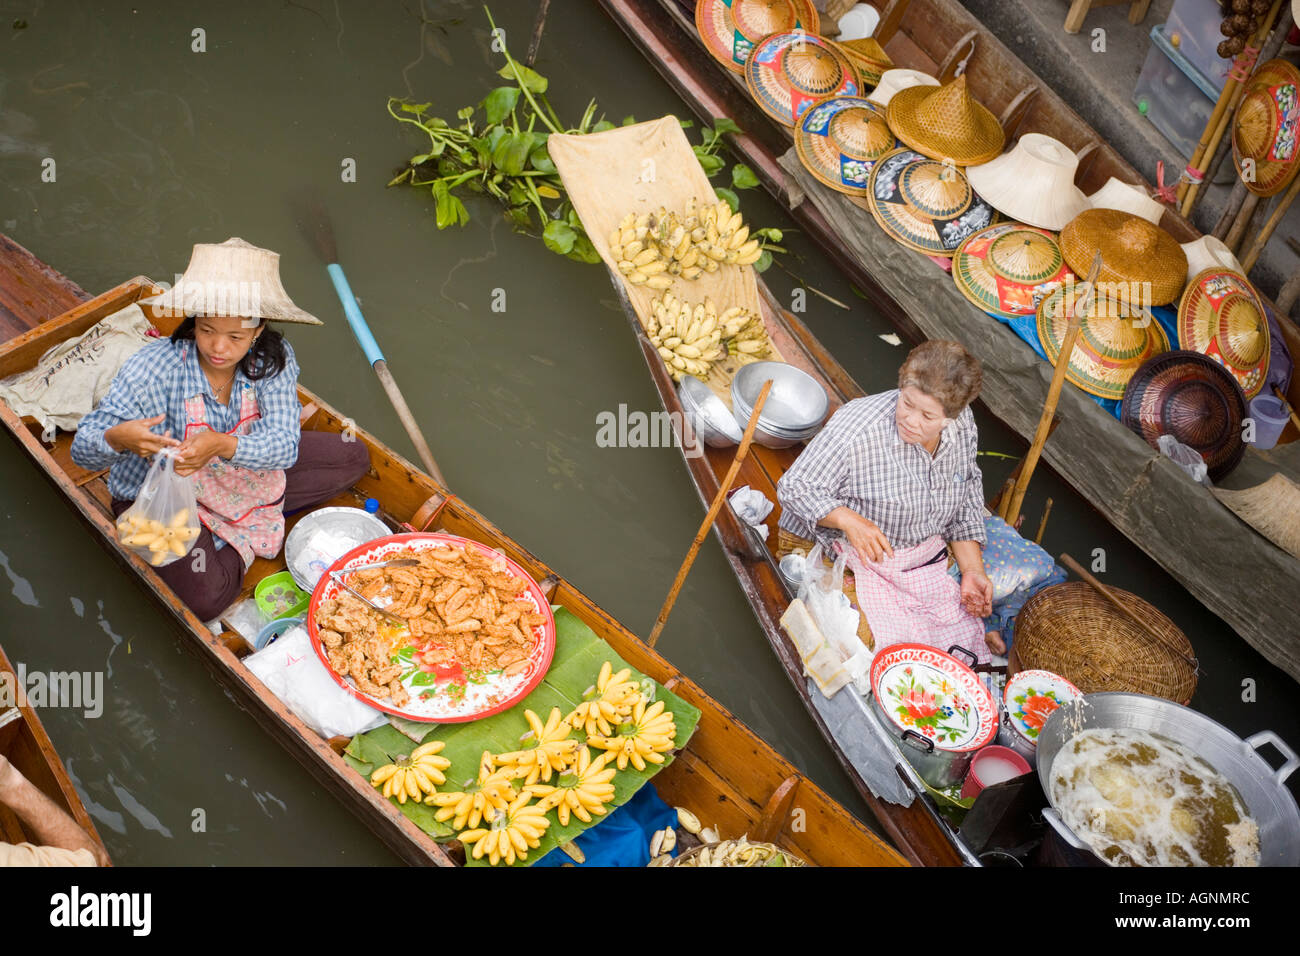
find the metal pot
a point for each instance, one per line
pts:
(1262, 789)
(1009, 736)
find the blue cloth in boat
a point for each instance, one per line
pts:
(623, 837)
(1018, 568)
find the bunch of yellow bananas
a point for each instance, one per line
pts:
(688, 339)
(637, 253)
(584, 790)
(553, 749)
(647, 735)
(608, 703)
(652, 248)
(416, 775)
(160, 538)
(511, 832)
(465, 808)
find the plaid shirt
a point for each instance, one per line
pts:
(157, 380)
(858, 461)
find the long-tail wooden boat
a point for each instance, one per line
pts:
(26, 745)
(726, 772)
(1240, 576)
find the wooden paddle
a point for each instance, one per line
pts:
(718, 500)
(315, 223)
(1081, 306)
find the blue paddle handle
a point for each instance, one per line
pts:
(353, 311)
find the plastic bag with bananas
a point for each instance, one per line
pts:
(160, 542)
(653, 248)
(691, 338)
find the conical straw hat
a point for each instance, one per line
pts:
(840, 138)
(731, 30)
(1222, 315)
(1141, 263)
(1193, 398)
(1266, 126)
(1032, 183)
(788, 72)
(869, 57)
(233, 278)
(924, 204)
(946, 123)
(1113, 341)
(1117, 194)
(1007, 269)
(891, 81)
(1209, 253)
(1272, 509)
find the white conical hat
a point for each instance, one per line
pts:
(1032, 183)
(1117, 194)
(891, 81)
(233, 278)
(1209, 253)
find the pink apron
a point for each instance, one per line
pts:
(242, 506)
(905, 600)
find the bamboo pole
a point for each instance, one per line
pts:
(1042, 525)
(1233, 91)
(1247, 212)
(1082, 305)
(718, 501)
(1004, 496)
(1266, 231)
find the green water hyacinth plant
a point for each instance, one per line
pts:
(497, 149)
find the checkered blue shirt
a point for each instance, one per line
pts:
(858, 461)
(158, 379)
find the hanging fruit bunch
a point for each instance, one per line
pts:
(1241, 20)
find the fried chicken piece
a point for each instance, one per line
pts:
(331, 638)
(400, 697)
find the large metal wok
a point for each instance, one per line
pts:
(1262, 788)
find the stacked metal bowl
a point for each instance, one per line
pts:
(708, 414)
(795, 408)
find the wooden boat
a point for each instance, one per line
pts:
(1240, 576)
(26, 745)
(726, 773)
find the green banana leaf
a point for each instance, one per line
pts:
(579, 654)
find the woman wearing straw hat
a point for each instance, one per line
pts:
(221, 391)
(893, 475)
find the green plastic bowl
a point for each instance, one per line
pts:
(278, 596)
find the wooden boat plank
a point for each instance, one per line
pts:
(33, 293)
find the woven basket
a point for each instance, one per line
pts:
(1071, 630)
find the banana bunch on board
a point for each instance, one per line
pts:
(652, 248)
(689, 339)
(160, 538)
(583, 790)
(510, 833)
(415, 775)
(552, 749)
(646, 736)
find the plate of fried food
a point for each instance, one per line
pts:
(467, 632)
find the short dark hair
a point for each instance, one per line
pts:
(266, 358)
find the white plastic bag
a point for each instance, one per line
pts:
(1185, 457)
(163, 523)
(844, 658)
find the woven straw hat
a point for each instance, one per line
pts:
(1032, 183)
(1222, 315)
(924, 204)
(1008, 268)
(1266, 126)
(1140, 263)
(1209, 253)
(840, 138)
(730, 31)
(233, 278)
(1113, 341)
(946, 123)
(1135, 200)
(1071, 630)
(1272, 509)
(869, 57)
(788, 72)
(891, 81)
(1193, 398)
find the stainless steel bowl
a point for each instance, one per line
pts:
(1262, 788)
(708, 414)
(346, 524)
(796, 406)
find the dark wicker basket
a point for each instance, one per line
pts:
(1071, 630)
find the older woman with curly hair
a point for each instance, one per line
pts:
(893, 476)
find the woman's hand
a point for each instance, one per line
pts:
(977, 592)
(201, 447)
(861, 533)
(135, 437)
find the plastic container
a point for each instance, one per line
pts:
(1270, 419)
(279, 597)
(1193, 30)
(267, 636)
(1174, 95)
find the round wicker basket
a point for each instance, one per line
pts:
(1071, 630)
